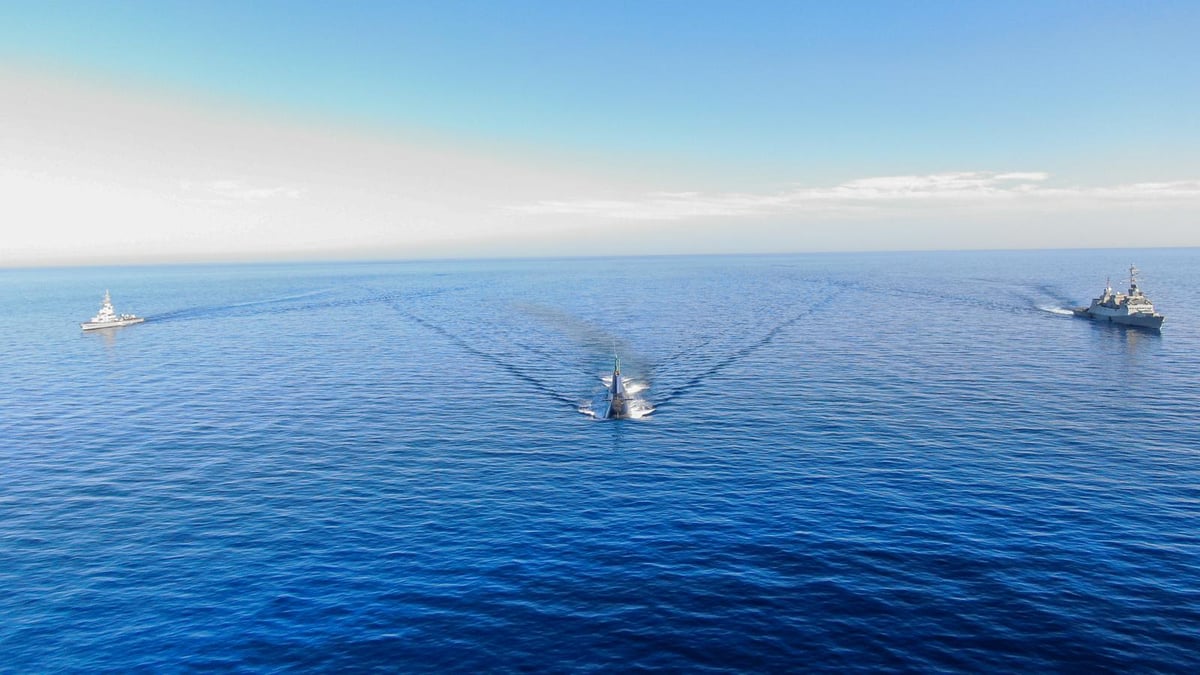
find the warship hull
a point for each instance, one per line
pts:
(96, 325)
(1150, 321)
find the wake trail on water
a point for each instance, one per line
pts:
(1056, 294)
(1035, 298)
(213, 310)
(741, 354)
(1061, 304)
(636, 409)
(666, 361)
(597, 344)
(281, 305)
(365, 296)
(517, 372)
(547, 357)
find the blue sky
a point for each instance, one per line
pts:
(675, 96)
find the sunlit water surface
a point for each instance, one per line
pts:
(911, 461)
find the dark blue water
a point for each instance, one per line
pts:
(902, 461)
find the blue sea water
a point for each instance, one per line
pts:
(871, 461)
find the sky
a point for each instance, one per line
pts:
(166, 131)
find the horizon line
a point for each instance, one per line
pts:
(518, 258)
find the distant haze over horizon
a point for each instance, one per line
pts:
(433, 257)
(162, 132)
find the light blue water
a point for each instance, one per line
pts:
(907, 461)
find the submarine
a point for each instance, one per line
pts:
(618, 398)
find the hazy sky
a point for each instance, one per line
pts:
(162, 131)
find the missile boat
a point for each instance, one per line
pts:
(107, 318)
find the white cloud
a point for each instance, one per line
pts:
(1187, 189)
(90, 174)
(970, 188)
(964, 184)
(1023, 175)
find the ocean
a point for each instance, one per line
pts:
(902, 461)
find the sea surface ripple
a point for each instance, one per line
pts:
(856, 462)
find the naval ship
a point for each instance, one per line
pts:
(1131, 309)
(107, 318)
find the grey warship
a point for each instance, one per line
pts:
(1130, 309)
